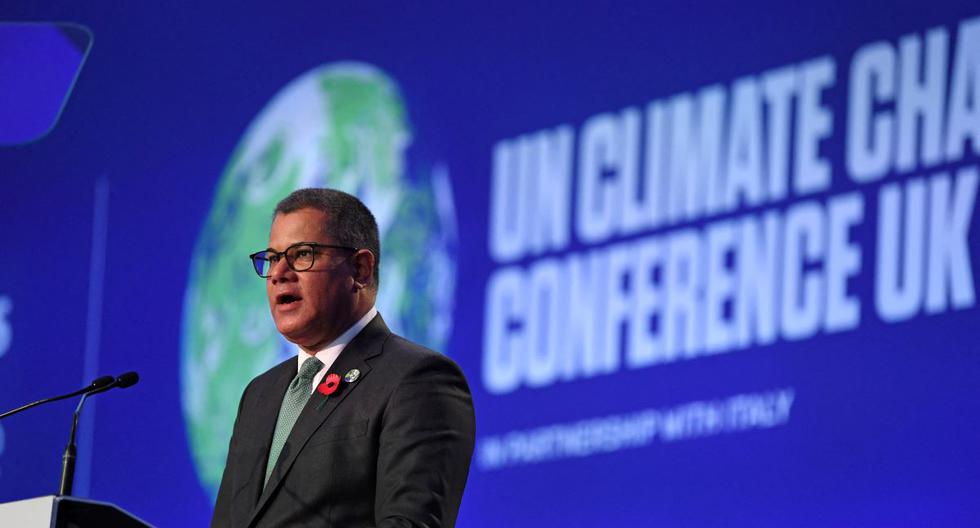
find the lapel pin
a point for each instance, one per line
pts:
(352, 375)
(329, 385)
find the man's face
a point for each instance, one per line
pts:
(311, 308)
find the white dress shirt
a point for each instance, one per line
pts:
(329, 353)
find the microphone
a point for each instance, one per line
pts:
(125, 380)
(100, 382)
(122, 381)
(97, 385)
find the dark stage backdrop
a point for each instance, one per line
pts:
(703, 264)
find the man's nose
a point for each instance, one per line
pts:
(280, 271)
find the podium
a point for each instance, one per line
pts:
(59, 511)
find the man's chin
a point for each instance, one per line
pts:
(301, 339)
(292, 332)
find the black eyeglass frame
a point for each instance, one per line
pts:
(254, 257)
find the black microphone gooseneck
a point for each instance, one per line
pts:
(98, 384)
(68, 459)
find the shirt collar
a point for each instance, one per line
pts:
(329, 353)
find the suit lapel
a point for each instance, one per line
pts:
(366, 344)
(264, 426)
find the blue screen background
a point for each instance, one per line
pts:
(884, 422)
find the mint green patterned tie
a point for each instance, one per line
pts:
(294, 401)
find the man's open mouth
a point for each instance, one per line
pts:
(287, 298)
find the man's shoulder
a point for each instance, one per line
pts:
(401, 349)
(402, 355)
(402, 345)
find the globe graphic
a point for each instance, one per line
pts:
(340, 125)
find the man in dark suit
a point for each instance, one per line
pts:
(362, 428)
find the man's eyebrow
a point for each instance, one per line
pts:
(300, 243)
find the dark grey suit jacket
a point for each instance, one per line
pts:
(391, 449)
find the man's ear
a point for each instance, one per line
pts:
(363, 268)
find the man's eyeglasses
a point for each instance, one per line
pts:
(299, 257)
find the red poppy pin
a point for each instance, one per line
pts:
(330, 384)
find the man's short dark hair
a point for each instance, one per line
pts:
(350, 221)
